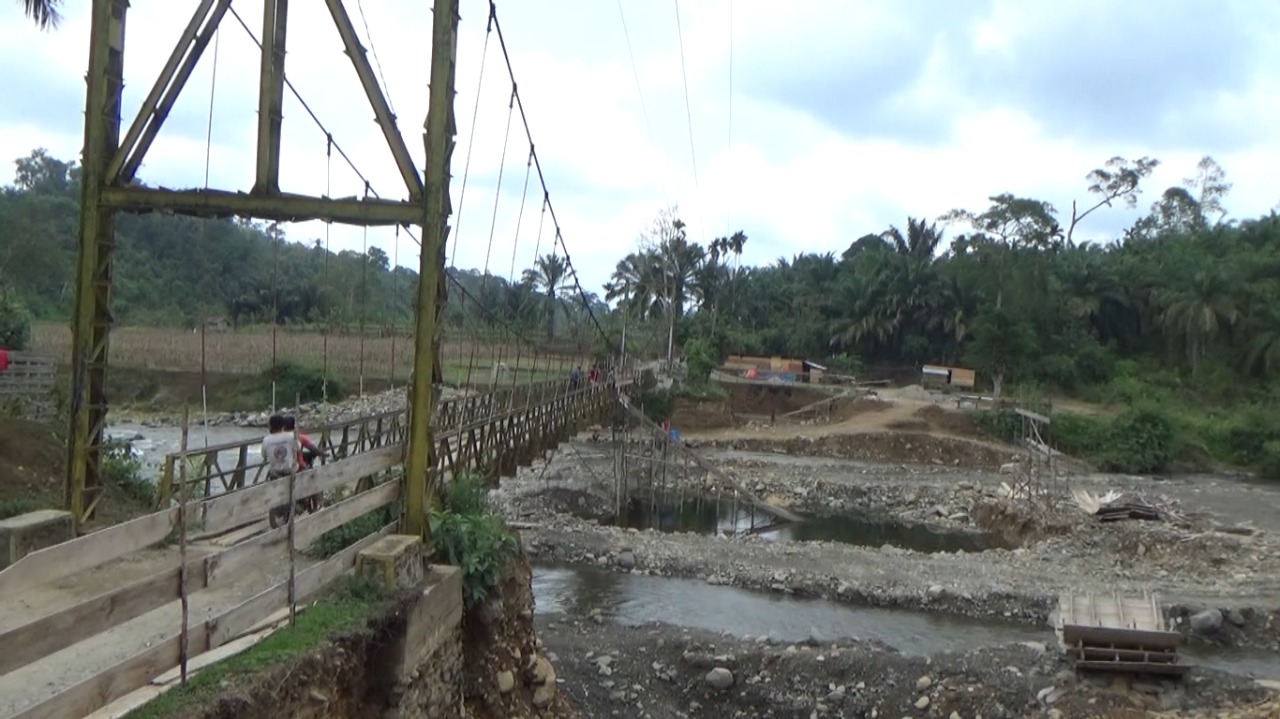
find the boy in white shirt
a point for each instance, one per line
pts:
(279, 449)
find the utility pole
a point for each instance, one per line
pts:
(420, 487)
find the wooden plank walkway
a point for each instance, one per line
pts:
(1112, 632)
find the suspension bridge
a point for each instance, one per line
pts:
(106, 616)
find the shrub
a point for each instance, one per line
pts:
(15, 322)
(1268, 463)
(297, 382)
(467, 534)
(1002, 423)
(658, 404)
(1138, 441)
(700, 358)
(124, 471)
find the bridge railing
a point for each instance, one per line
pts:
(85, 620)
(464, 426)
(210, 466)
(488, 433)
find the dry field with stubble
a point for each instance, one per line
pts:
(250, 351)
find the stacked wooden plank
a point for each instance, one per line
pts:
(1110, 632)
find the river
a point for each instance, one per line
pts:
(637, 599)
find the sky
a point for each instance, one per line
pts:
(805, 126)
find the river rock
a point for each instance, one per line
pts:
(1207, 621)
(922, 702)
(924, 682)
(1235, 617)
(506, 682)
(544, 681)
(627, 559)
(544, 695)
(719, 678)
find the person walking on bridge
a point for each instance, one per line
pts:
(279, 449)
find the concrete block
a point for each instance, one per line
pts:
(395, 562)
(433, 619)
(26, 533)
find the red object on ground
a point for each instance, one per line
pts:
(4, 359)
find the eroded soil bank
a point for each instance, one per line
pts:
(494, 668)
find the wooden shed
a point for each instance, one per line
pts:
(939, 375)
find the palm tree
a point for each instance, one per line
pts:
(1198, 316)
(43, 12)
(920, 242)
(548, 273)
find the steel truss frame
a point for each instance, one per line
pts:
(110, 165)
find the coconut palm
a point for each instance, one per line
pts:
(549, 273)
(43, 12)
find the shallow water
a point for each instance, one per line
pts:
(153, 443)
(708, 516)
(637, 599)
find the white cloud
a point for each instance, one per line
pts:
(792, 179)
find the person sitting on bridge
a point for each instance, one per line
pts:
(307, 450)
(279, 449)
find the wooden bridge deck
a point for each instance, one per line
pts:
(95, 618)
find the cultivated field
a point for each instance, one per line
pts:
(250, 351)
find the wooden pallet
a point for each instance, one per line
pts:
(1111, 632)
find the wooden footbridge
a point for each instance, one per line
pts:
(98, 618)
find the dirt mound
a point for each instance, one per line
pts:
(31, 461)
(690, 415)
(894, 447)
(764, 399)
(949, 421)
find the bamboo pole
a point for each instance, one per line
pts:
(182, 544)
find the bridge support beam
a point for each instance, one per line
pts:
(108, 187)
(91, 321)
(420, 487)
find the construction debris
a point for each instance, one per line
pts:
(1112, 507)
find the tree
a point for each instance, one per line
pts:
(1117, 180)
(548, 274)
(1197, 316)
(15, 322)
(43, 12)
(1209, 186)
(1000, 346)
(920, 243)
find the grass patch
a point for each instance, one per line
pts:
(14, 506)
(348, 606)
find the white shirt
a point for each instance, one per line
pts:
(280, 452)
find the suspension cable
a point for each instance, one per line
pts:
(471, 143)
(204, 231)
(324, 282)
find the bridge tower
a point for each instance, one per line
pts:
(110, 165)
